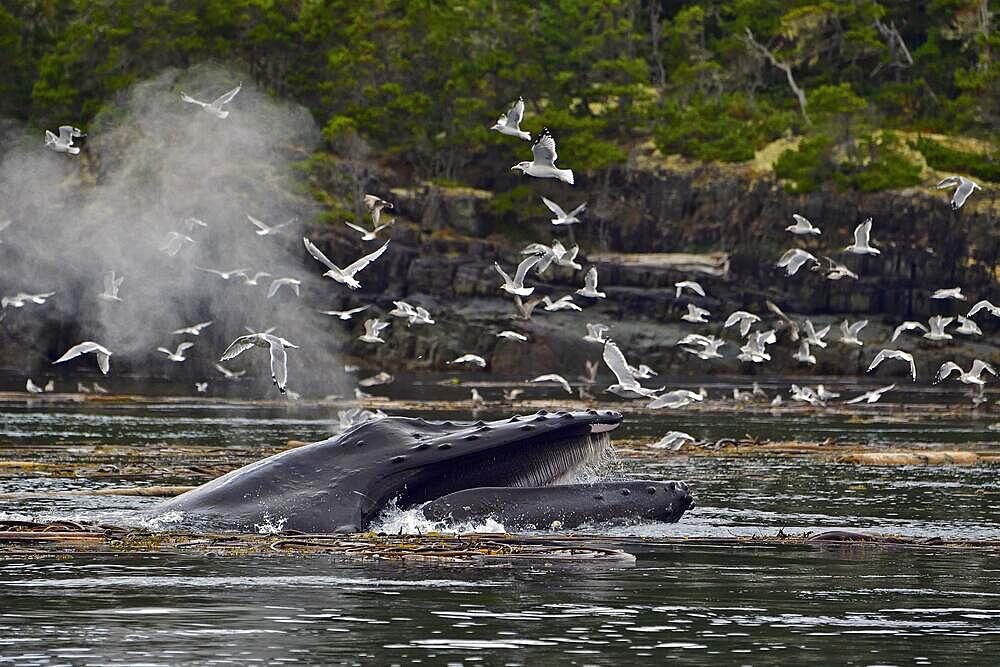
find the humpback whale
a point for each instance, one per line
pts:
(518, 470)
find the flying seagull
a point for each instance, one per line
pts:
(802, 226)
(675, 399)
(178, 355)
(229, 375)
(937, 325)
(512, 335)
(375, 205)
(345, 314)
(278, 283)
(247, 280)
(562, 217)
(793, 260)
(102, 353)
(849, 333)
(907, 326)
(368, 234)
(473, 359)
(695, 314)
(744, 319)
(544, 163)
(709, 346)
(967, 327)
(225, 275)
(510, 122)
(950, 293)
(596, 333)
(984, 305)
(673, 441)
(871, 396)
(64, 142)
(175, 241)
(276, 344)
(627, 384)
(515, 285)
(862, 240)
(111, 285)
(373, 327)
(194, 329)
(552, 377)
(589, 288)
(895, 354)
(345, 275)
(264, 229)
(973, 376)
(962, 192)
(836, 271)
(215, 106)
(690, 285)
(562, 303)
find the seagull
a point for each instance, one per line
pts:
(345, 314)
(895, 354)
(373, 327)
(710, 346)
(974, 376)
(546, 255)
(225, 275)
(377, 379)
(516, 286)
(562, 303)
(191, 222)
(276, 344)
(862, 237)
(968, 327)
(825, 395)
(50, 385)
(544, 162)
(32, 388)
(278, 283)
(950, 293)
(803, 354)
(589, 288)
(64, 142)
(596, 333)
(564, 257)
(627, 383)
(552, 377)
(473, 359)
(793, 260)
(695, 314)
(215, 106)
(744, 319)
(562, 217)
(512, 335)
(477, 398)
(674, 399)
(787, 322)
(814, 337)
(345, 275)
(643, 372)
(20, 299)
(804, 395)
(368, 234)
(907, 326)
(836, 271)
(375, 205)
(512, 394)
(177, 356)
(247, 280)
(962, 192)
(984, 305)
(265, 230)
(98, 389)
(524, 309)
(229, 375)
(201, 387)
(510, 122)
(267, 331)
(673, 440)
(690, 285)
(802, 226)
(175, 241)
(194, 329)
(103, 354)
(871, 396)
(849, 332)
(937, 325)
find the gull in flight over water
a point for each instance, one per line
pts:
(102, 353)
(689, 285)
(849, 333)
(744, 319)
(512, 335)
(962, 192)
(191, 222)
(368, 234)
(229, 375)
(627, 384)
(836, 271)
(194, 329)
(564, 257)
(345, 314)
(225, 275)
(596, 333)
(276, 344)
(937, 325)
(695, 314)
(175, 241)
(895, 354)
(201, 387)
(871, 396)
(793, 260)
(510, 122)
(552, 377)
(544, 163)
(64, 142)
(515, 285)
(862, 240)
(278, 283)
(967, 327)
(973, 376)
(589, 288)
(802, 226)
(111, 285)
(375, 205)
(562, 217)
(562, 303)
(247, 280)
(373, 327)
(803, 355)
(524, 309)
(814, 337)
(20, 299)
(673, 441)
(473, 359)
(709, 346)
(675, 399)
(345, 275)
(907, 326)
(215, 106)
(950, 293)
(178, 355)
(984, 305)
(264, 229)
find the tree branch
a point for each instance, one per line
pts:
(784, 67)
(901, 58)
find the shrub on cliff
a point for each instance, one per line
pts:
(943, 158)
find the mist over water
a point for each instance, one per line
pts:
(149, 162)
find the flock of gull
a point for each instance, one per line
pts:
(538, 258)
